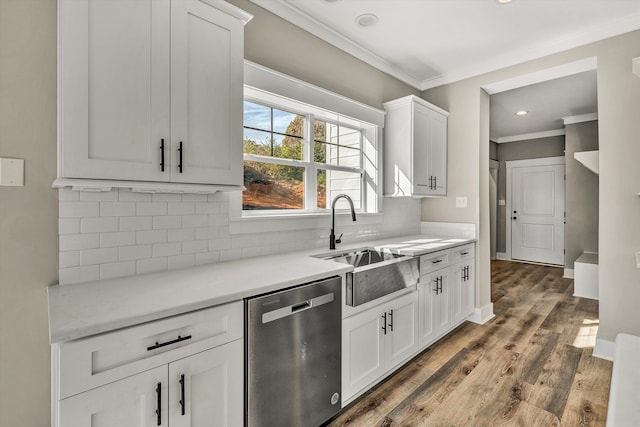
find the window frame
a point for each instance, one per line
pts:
(311, 167)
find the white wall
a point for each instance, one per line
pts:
(619, 205)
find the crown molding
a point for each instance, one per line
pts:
(581, 118)
(292, 14)
(526, 136)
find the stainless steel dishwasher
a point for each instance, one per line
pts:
(293, 355)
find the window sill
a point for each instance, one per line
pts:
(298, 221)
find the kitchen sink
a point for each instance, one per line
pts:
(376, 273)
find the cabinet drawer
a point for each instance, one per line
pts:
(91, 362)
(434, 261)
(462, 253)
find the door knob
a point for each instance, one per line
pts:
(513, 217)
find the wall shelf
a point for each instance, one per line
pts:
(590, 159)
(98, 185)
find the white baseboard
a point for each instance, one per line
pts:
(482, 315)
(502, 256)
(568, 273)
(604, 349)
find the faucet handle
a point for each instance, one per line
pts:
(339, 239)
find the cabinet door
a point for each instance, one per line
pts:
(206, 389)
(402, 329)
(442, 320)
(362, 351)
(468, 291)
(458, 274)
(131, 402)
(113, 88)
(437, 153)
(427, 309)
(422, 175)
(207, 48)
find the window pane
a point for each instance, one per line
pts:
(288, 123)
(331, 183)
(320, 130)
(336, 155)
(257, 116)
(272, 186)
(287, 147)
(257, 142)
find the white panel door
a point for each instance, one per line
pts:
(363, 345)
(114, 88)
(537, 214)
(207, 388)
(206, 94)
(130, 402)
(402, 329)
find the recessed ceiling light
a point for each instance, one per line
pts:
(366, 20)
(522, 113)
(500, 1)
(332, 1)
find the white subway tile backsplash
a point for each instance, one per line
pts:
(68, 225)
(78, 209)
(69, 259)
(181, 261)
(99, 196)
(78, 274)
(127, 253)
(72, 242)
(166, 249)
(167, 222)
(194, 197)
(194, 221)
(120, 238)
(98, 256)
(181, 208)
(151, 236)
(117, 209)
(98, 225)
(136, 223)
(120, 233)
(180, 235)
(151, 208)
(166, 197)
(195, 246)
(117, 269)
(151, 265)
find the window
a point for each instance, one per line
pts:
(299, 161)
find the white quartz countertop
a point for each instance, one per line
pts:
(84, 309)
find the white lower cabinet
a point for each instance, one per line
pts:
(190, 374)
(376, 341)
(435, 301)
(463, 294)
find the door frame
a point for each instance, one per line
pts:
(510, 164)
(494, 165)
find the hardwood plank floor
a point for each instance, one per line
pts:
(531, 365)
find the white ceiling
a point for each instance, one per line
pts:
(427, 43)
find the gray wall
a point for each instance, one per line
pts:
(520, 150)
(28, 215)
(619, 206)
(581, 229)
(493, 150)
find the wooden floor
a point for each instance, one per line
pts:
(531, 365)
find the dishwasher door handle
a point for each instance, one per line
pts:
(299, 307)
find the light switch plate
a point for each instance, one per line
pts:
(12, 172)
(461, 202)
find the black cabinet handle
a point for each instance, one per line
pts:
(158, 345)
(436, 261)
(437, 288)
(180, 157)
(181, 381)
(440, 285)
(391, 320)
(464, 253)
(435, 182)
(159, 403)
(162, 155)
(384, 324)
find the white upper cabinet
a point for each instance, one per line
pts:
(140, 79)
(415, 154)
